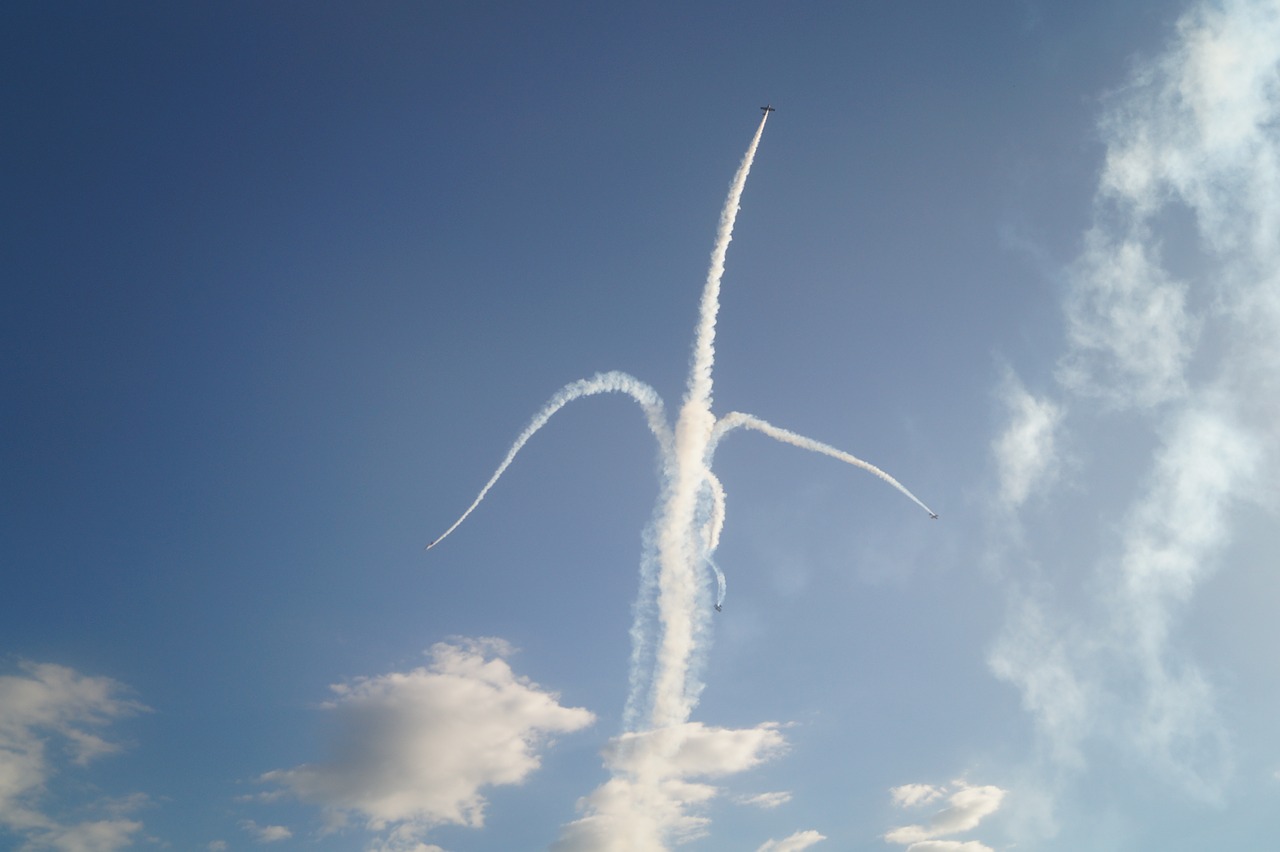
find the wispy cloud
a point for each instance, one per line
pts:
(795, 843)
(1173, 324)
(949, 846)
(1026, 453)
(766, 801)
(966, 807)
(46, 704)
(415, 749)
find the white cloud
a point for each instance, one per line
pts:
(217, 846)
(910, 795)
(650, 800)
(967, 807)
(418, 747)
(949, 846)
(795, 843)
(766, 801)
(266, 833)
(1026, 452)
(47, 704)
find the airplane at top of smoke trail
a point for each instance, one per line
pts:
(672, 609)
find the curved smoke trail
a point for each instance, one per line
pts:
(611, 382)
(738, 420)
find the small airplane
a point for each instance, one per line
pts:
(932, 515)
(718, 609)
(766, 109)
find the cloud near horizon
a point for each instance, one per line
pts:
(415, 749)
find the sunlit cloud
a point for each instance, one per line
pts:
(46, 705)
(795, 843)
(417, 748)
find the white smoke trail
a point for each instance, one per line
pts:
(736, 420)
(699, 388)
(674, 696)
(643, 804)
(611, 382)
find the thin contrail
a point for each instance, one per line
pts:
(736, 420)
(611, 382)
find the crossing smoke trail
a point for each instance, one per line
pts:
(647, 795)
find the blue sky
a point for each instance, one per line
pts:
(283, 283)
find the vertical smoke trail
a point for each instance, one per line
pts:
(673, 696)
(612, 382)
(699, 388)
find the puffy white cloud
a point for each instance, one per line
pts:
(966, 807)
(795, 843)
(418, 747)
(217, 846)
(651, 799)
(1026, 452)
(44, 704)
